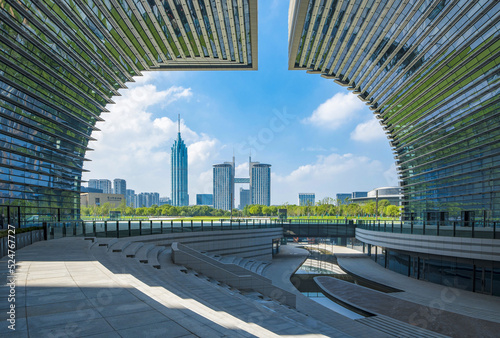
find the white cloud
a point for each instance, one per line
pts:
(329, 175)
(134, 145)
(368, 131)
(336, 111)
(318, 149)
(391, 176)
(241, 170)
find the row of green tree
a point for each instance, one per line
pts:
(155, 210)
(320, 209)
(326, 209)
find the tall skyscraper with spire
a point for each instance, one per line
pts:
(179, 172)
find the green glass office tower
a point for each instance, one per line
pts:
(62, 61)
(428, 69)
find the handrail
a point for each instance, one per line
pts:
(127, 228)
(455, 228)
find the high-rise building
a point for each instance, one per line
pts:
(165, 200)
(429, 72)
(148, 199)
(179, 171)
(102, 184)
(130, 198)
(155, 198)
(244, 198)
(106, 186)
(224, 181)
(61, 62)
(260, 183)
(307, 199)
(136, 201)
(223, 185)
(94, 184)
(119, 186)
(205, 199)
(140, 201)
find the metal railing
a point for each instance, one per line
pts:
(130, 228)
(469, 229)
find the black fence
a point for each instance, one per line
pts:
(130, 228)
(469, 229)
(291, 228)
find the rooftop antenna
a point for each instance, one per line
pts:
(179, 123)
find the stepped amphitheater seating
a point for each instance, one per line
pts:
(155, 264)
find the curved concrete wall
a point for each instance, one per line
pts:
(472, 248)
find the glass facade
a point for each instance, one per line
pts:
(429, 72)
(466, 274)
(306, 199)
(62, 61)
(179, 172)
(244, 198)
(223, 185)
(205, 199)
(119, 186)
(260, 183)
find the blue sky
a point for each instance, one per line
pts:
(317, 136)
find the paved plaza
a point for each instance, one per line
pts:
(73, 287)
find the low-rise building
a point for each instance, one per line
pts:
(89, 199)
(307, 199)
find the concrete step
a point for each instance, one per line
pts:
(165, 257)
(248, 264)
(397, 328)
(107, 242)
(252, 265)
(93, 244)
(264, 269)
(142, 254)
(153, 256)
(242, 262)
(119, 246)
(227, 259)
(171, 281)
(131, 250)
(261, 267)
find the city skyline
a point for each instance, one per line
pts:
(283, 117)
